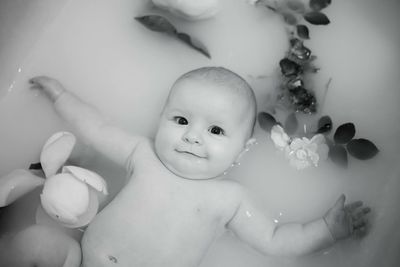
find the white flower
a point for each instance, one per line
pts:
(279, 137)
(190, 9)
(304, 152)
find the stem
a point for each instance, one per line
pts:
(325, 94)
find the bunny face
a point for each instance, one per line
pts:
(69, 197)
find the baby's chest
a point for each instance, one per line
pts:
(172, 203)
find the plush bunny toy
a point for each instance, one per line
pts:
(69, 197)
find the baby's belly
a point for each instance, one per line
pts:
(146, 235)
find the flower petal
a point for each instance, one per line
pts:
(318, 139)
(279, 137)
(323, 151)
(56, 151)
(297, 143)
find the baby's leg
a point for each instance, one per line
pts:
(44, 246)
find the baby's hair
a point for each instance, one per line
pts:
(228, 79)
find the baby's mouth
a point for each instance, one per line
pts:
(190, 153)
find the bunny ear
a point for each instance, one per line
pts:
(56, 151)
(16, 184)
(88, 177)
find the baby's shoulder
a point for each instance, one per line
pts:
(231, 192)
(144, 147)
(144, 150)
(233, 188)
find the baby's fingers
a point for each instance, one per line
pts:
(44, 81)
(352, 206)
(360, 232)
(360, 221)
(50, 86)
(360, 213)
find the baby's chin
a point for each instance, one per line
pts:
(190, 174)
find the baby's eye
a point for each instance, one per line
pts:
(216, 130)
(180, 120)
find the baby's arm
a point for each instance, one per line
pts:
(92, 127)
(253, 227)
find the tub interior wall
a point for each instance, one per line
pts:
(99, 52)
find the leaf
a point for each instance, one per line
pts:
(157, 24)
(160, 24)
(35, 166)
(338, 154)
(289, 67)
(289, 18)
(296, 5)
(362, 149)
(302, 31)
(344, 133)
(319, 4)
(194, 43)
(266, 121)
(316, 18)
(324, 125)
(291, 124)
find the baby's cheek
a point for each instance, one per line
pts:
(222, 156)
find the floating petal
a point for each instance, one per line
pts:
(279, 137)
(16, 184)
(56, 151)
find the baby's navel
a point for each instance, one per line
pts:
(113, 259)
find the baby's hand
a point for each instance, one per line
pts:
(51, 87)
(345, 220)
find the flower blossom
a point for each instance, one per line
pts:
(301, 152)
(304, 152)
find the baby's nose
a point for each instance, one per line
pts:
(192, 137)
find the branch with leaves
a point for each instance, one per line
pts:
(160, 24)
(296, 68)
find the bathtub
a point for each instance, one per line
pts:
(98, 51)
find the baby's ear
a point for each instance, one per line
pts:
(252, 141)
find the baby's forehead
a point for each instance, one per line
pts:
(205, 88)
(220, 100)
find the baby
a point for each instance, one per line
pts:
(177, 198)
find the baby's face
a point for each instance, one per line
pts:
(203, 129)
